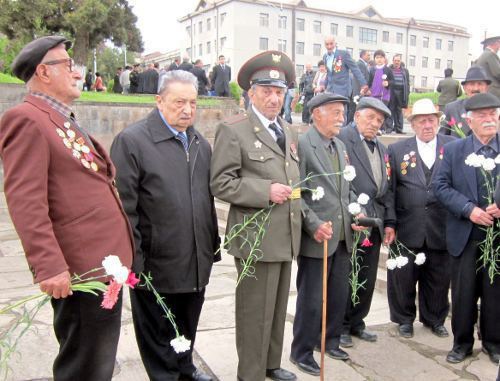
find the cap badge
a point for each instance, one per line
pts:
(274, 74)
(276, 58)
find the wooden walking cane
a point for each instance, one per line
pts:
(323, 315)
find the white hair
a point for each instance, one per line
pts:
(176, 76)
(469, 113)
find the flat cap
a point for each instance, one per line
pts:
(31, 55)
(324, 98)
(476, 73)
(270, 68)
(480, 101)
(490, 40)
(374, 103)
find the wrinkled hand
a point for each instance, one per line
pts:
(385, 83)
(58, 286)
(493, 210)
(389, 235)
(359, 228)
(323, 232)
(363, 90)
(279, 193)
(480, 217)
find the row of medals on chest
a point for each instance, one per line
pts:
(78, 147)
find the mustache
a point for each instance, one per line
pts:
(475, 92)
(488, 124)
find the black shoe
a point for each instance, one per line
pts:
(494, 357)
(440, 330)
(280, 374)
(311, 367)
(197, 375)
(337, 354)
(365, 335)
(455, 357)
(406, 330)
(346, 340)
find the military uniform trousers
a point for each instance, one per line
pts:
(261, 304)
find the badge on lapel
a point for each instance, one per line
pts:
(79, 150)
(257, 144)
(441, 153)
(387, 166)
(409, 160)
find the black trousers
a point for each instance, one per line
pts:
(88, 337)
(307, 323)
(306, 114)
(433, 279)
(467, 286)
(396, 112)
(354, 315)
(153, 332)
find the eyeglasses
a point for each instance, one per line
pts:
(64, 60)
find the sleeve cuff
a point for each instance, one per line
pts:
(467, 209)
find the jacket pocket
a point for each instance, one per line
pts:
(260, 156)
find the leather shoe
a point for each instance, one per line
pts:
(365, 335)
(197, 375)
(494, 357)
(440, 330)
(455, 357)
(346, 340)
(406, 330)
(311, 367)
(280, 374)
(337, 354)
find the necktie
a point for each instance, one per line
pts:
(280, 137)
(371, 145)
(184, 140)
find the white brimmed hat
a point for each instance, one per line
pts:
(424, 107)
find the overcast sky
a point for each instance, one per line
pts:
(159, 26)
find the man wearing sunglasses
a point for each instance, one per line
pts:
(59, 185)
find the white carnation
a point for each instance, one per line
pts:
(363, 199)
(474, 160)
(391, 263)
(112, 265)
(121, 275)
(489, 164)
(354, 208)
(420, 259)
(349, 173)
(318, 193)
(401, 261)
(180, 344)
(406, 157)
(497, 159)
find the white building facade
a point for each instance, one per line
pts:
(239, 29)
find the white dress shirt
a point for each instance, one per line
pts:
(427, 151)
(266, 122)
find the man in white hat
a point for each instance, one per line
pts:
(490, 62)
(419, 226)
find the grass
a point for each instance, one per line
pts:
(5, 78)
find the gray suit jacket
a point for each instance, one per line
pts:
(490, 62)
(333, 206)
(356, 86)
(450, 90)
(454, 111)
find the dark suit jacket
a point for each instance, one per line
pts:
(497, 194)
(364, 181)
(168, 201)
(150, 81)
(200, 74)
(400, 97)
(363, 68)
(68, 217)
(419, 214)
(456, 111)
(340, 82)
(221, 79)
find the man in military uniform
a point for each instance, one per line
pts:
(490, 62)
(255, 166)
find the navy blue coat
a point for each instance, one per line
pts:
(340, 83)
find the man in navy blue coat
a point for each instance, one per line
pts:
(460, 188)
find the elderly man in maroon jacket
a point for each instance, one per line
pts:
(59, 185)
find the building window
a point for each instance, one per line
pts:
(200, 27)
(437, 63)
(200, 50)
(385, 36)
(188, 30)
(438, 43)
(349, 31)
(413, 40)
(317, 26)
(222, 17)
(412, 80)
(424, 61)
(300, 24)
(425, 42)
(423, 82)
(209, 47)
(399, 38)
(334, 29)
(282, 22)
(209, 24)
(367, 36)
(300, 47)
(263, 43)
(222, 42)
(282, 46)
(450, 46)
(264, 19)
(299, 70)
(316, 49)
(188, 52)
(411, 60)
(350, 51)
(449, 64)
(215, 20)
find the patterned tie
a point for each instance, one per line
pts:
(370, 144)
(184, 140)
(280, 137)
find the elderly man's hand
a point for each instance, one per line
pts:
(493, 210)
(389, 235)
(480, 217)
(279, 193)
(59, 286)
(323, 232)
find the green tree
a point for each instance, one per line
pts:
(87, 22)
(108, 59)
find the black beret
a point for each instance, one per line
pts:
(270, 68)
(324, 98)
(476, 73)
(31, 55)
(373, 103)
(480, 101)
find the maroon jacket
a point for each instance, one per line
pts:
(68, 217)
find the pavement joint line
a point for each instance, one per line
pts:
(216, 329)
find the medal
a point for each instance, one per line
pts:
(413, 165)
(60, 133)
(85, 149)
(76, 154)
(85, 163)
(67, 143)
(67, 124)
(71, 134)
(77, 146)
(94, 166)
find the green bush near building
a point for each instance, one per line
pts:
(236, 91)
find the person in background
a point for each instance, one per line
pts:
(380, 81)
(400, 93)
(449, 89)
(134, 79)
(221, 76)
(98, 84)
(490, 62)
(200, 74)
(186, 65)
(89, 79)
(319, 80)
(117, 87)
(289, 97)
(125, 79)
(364, 64)
(175, 65)
(306, 91)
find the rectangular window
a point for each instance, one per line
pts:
(424, 61)
(209, 24)
(282, 22)
(425, 42)
(399, 38)
(423, 82)
(299, 70)
(282, 46)
(222, 17)
(438, 43)
(300, 24)
(200, 50)
(385, 36)
(411, 61)
(200, 27)
(413, 40)
(437, 63)
(264, 19)
(449, 64)
(188, 30)
(317, 26)
(222, 42)
(450, 46)
(350, 51)
(263, 43)
(349, 31)
(209, 45)
(367, 36)
(316, 50)
(334, 29)
(300, 47)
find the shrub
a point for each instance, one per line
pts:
(235, 91)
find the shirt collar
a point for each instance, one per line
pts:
(493, 143)
(432, 143)
(60, 107)
(173, 130)
(265, 122)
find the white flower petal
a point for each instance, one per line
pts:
(391, 263)
(363, 199)
(318, 193)
(401, 261)
(420, 259)
(121, 275)
(112, 264)
(180, 344)
(349, 173)
(354, 208)
(497, 159)
(489, 164)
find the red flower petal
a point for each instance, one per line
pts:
(132, 280)
(111, 294)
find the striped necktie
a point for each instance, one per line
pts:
(184, 140)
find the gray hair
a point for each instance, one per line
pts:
(469, 113)
(175, 76)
